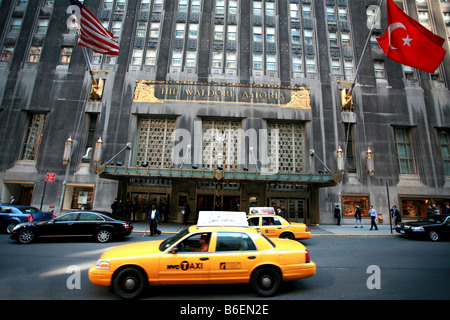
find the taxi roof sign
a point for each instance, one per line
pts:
(262, 210)
(222, 219)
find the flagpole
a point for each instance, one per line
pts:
(365, 46)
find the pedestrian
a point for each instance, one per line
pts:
(280, 212)
(187, 212)
(435, 209)
(337, 214)
(429, 211)
(358, 216)
(114, 207)
(447, 209)
(13, 201)
(373, 218)
(396, 215)
(153, 219)
(134, 208)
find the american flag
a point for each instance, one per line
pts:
(92, 34)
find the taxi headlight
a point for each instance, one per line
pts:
(102, 265)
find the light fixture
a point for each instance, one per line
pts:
(98, 151)
(370, 163)
(340, 160)
(67, 151)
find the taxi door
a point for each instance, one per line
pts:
(187, 263)
(234, 257)
(271, 226)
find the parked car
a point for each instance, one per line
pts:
(433, 227)
(80, 223)
(10, 216)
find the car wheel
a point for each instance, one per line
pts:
(103, 235)
(266, 281)
(129, 283)
(10, 226)
(26, 236)
(433, 236)
(287, 235)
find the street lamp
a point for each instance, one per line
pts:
(340, 160)
(67, 151)
(98, 151)
(370, 163)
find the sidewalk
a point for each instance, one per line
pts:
(320, 230)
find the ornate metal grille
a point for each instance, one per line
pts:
(221, 144)
(155, 142)
(285, 147)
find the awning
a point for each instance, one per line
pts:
(118, 172)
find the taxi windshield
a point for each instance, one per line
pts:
(170, 241)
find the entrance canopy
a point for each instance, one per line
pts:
(119, 172)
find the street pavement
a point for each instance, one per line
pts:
(384, 229)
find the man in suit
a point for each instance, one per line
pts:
(153, 219)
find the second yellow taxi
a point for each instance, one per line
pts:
(221, 248)
(275, 226)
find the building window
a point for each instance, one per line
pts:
(33, 140)
(218, 32)
(182, 6)
(409, 72)
(136, 59)
(271, 62)
(232, 32)
(333, 38)
(257, 8)
(232, 6)
(307, 11)
(295, 36)
(7, 52)
(293, 9)
(379, 69)
(404, 151)
(335, 66)
(444, 140)
(270, 34)
(297, 63)
(155, 144)
(270, 8)
(16, 23)
(285, 147)
(231, 60)
(42, 26)
(348, 67)
(35, 54)
(220, 7)
(150, 58)
(177, 58)
(191, 58)
(145, 5)
(308, 36)
(257, 34)
(66, 54)
(108, 4)
(195, 6)
(330, 13)
(310, 64)
(345, 38)
(158, 5)
(221, 144)
(217, 59)
(141, 30)
(193, 31)
(257, 61)
(179, 30)
(78, 196)
(342, 13)
(154, 29)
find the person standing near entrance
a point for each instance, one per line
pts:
(153, 219)
(373, 217)
(337, 215)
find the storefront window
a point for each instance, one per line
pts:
(78, 197)
(349, 204)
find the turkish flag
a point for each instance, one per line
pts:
(408, 42)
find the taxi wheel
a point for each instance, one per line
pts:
(287, 235)
(129, 283)
(266, 281)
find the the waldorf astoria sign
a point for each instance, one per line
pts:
(159, 91)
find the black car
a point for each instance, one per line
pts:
(434, 227)
(82, 223)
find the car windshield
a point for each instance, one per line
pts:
(29, 210)
(170, 241)
(433, 219)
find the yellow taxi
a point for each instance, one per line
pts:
(221, 248)
(275, 226)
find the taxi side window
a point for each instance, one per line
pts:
(276, 221)
(253, 221)
(194, 243)
(234, 241)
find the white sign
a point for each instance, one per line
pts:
(261, 210)
(222, 219)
